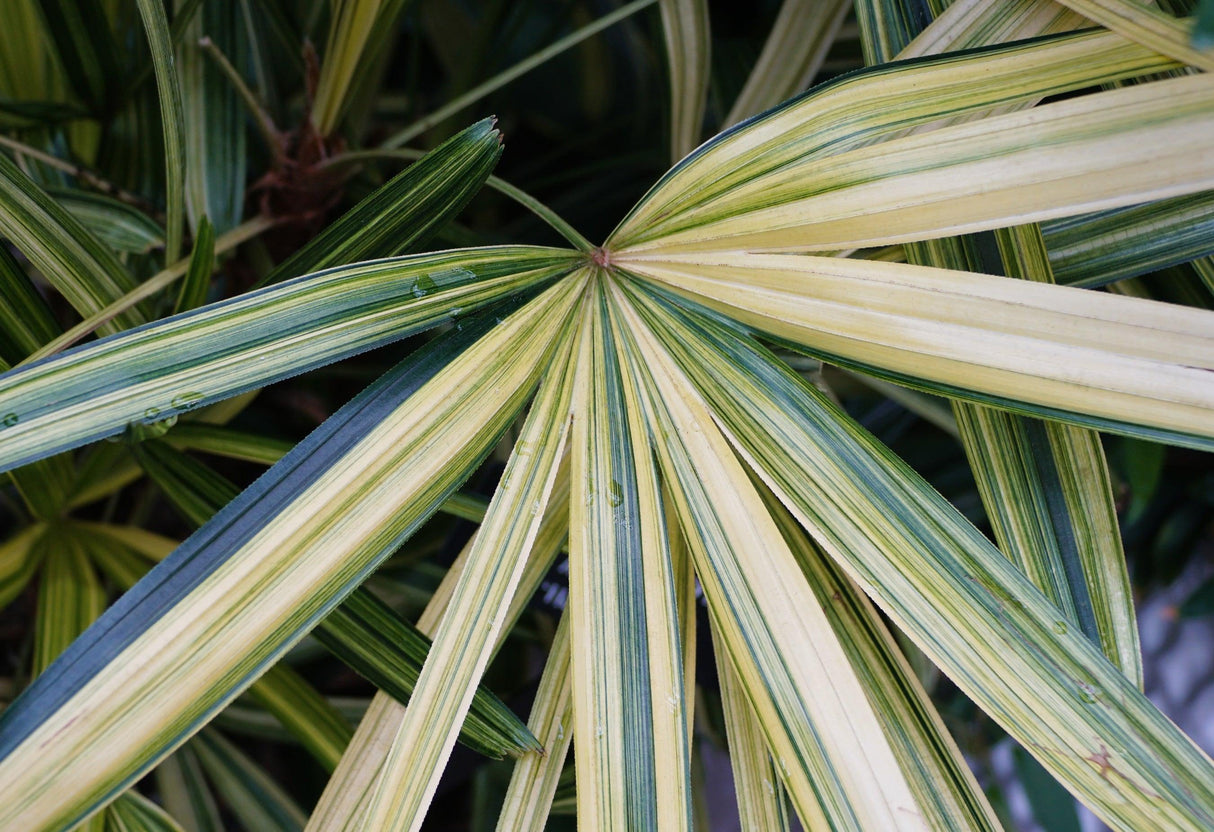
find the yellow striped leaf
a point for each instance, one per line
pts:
(70, 596)
(756, 780)
(796, 142)
(1045, 485)
(477, 609)
(186, 796)
(685, 25)
(535, 776)
(182, 363)
(965, 605)
(352, 29)
(306, 715)
(1147, 25)
(966, 24)
(826, 739)
(801, 35)
(132, 812)
(345, 800)
(172, 120)
(629, 715)
(1047, 491)
(261, 573)
(1098, 151)
(1119, 363)
(937, 773)
(19, 559)
(256, 800)
(71, 258)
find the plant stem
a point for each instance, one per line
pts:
(269, 131)
(225, 242)
(520, 196)
(83, 174)
(930, 409)
(506, 76)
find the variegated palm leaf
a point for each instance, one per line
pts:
(644, 361)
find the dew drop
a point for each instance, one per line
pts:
(424, 286)
(1059, 627)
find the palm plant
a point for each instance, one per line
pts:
(906, 222)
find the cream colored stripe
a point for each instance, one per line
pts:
(824, 735)
(1123, 360)
(202, 646)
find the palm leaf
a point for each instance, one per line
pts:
(405, 211)
(322, 545)
(120, 226)
(1098, 151)
(1141, 360)
(685, 24)
(86, 48)
(193, 292)
(216, 158)
(207, 354)
(1094, 249)
(18, 561)
(477, 609)
(800, 38)
(256, 800)
(756, 779)
(628, 691)
(172, 119)
(1146, 25)
(535, 776)
(132, 812)
(347, 794)
(70, 596)
(800, 142)
(372, 639)
(75, 262)
(826, 738)
(182, 787)
(946, 586)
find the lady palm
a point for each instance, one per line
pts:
(664, 439)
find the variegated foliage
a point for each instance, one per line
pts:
(658, 432)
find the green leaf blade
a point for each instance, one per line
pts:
(290, 590)
(181, 363)
(388, 651)
(70, 257)
(405, 211)
(966, 606)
